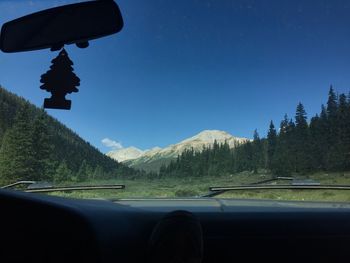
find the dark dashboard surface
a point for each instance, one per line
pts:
(52, 229)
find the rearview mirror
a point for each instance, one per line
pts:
(55, 27)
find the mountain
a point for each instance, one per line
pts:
(36, 146)
(126, 154)
(152, 160)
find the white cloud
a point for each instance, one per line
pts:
(111, 144)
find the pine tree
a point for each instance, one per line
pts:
(323, 139)
(332, 110)
(84, 172)
(302, 156)
(342, 144)
(17, 155)
(346, 135)
(257, 153)
(332, 105)
(282, 163)
(333, 130)
(43, 149)
(62, 173)
(271, 144)
(323, 114)
(300, 117)
(284, 125)
(315, 147)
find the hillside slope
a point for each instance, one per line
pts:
(28, 134)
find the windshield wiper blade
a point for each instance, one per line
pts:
(214, 191)
(278, 178)
(273, 179)
(75, 188)
(47, 189)
(18, 183)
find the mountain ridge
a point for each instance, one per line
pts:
(151, 160)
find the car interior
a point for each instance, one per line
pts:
(54, 229)
(44, 228)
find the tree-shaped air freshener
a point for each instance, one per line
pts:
(60, 80)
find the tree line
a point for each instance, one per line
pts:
(297, 146)
(35, 146)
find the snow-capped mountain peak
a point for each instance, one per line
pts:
(138, 158)
(125, 154)
(210, 136)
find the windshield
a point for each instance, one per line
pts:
(189, 95)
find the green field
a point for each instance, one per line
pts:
(190, 187)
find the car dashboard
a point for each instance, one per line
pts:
(45, 228)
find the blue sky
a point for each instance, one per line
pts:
(179, 67)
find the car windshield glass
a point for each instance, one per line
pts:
(189, 95)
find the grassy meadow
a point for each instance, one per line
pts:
(194, 187)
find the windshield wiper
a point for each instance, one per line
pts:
(18, 183)
(75, 188)
(35, 187)
(274, 179)
(214, 191)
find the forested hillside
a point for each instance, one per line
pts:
(35, 146)
(297, 146)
